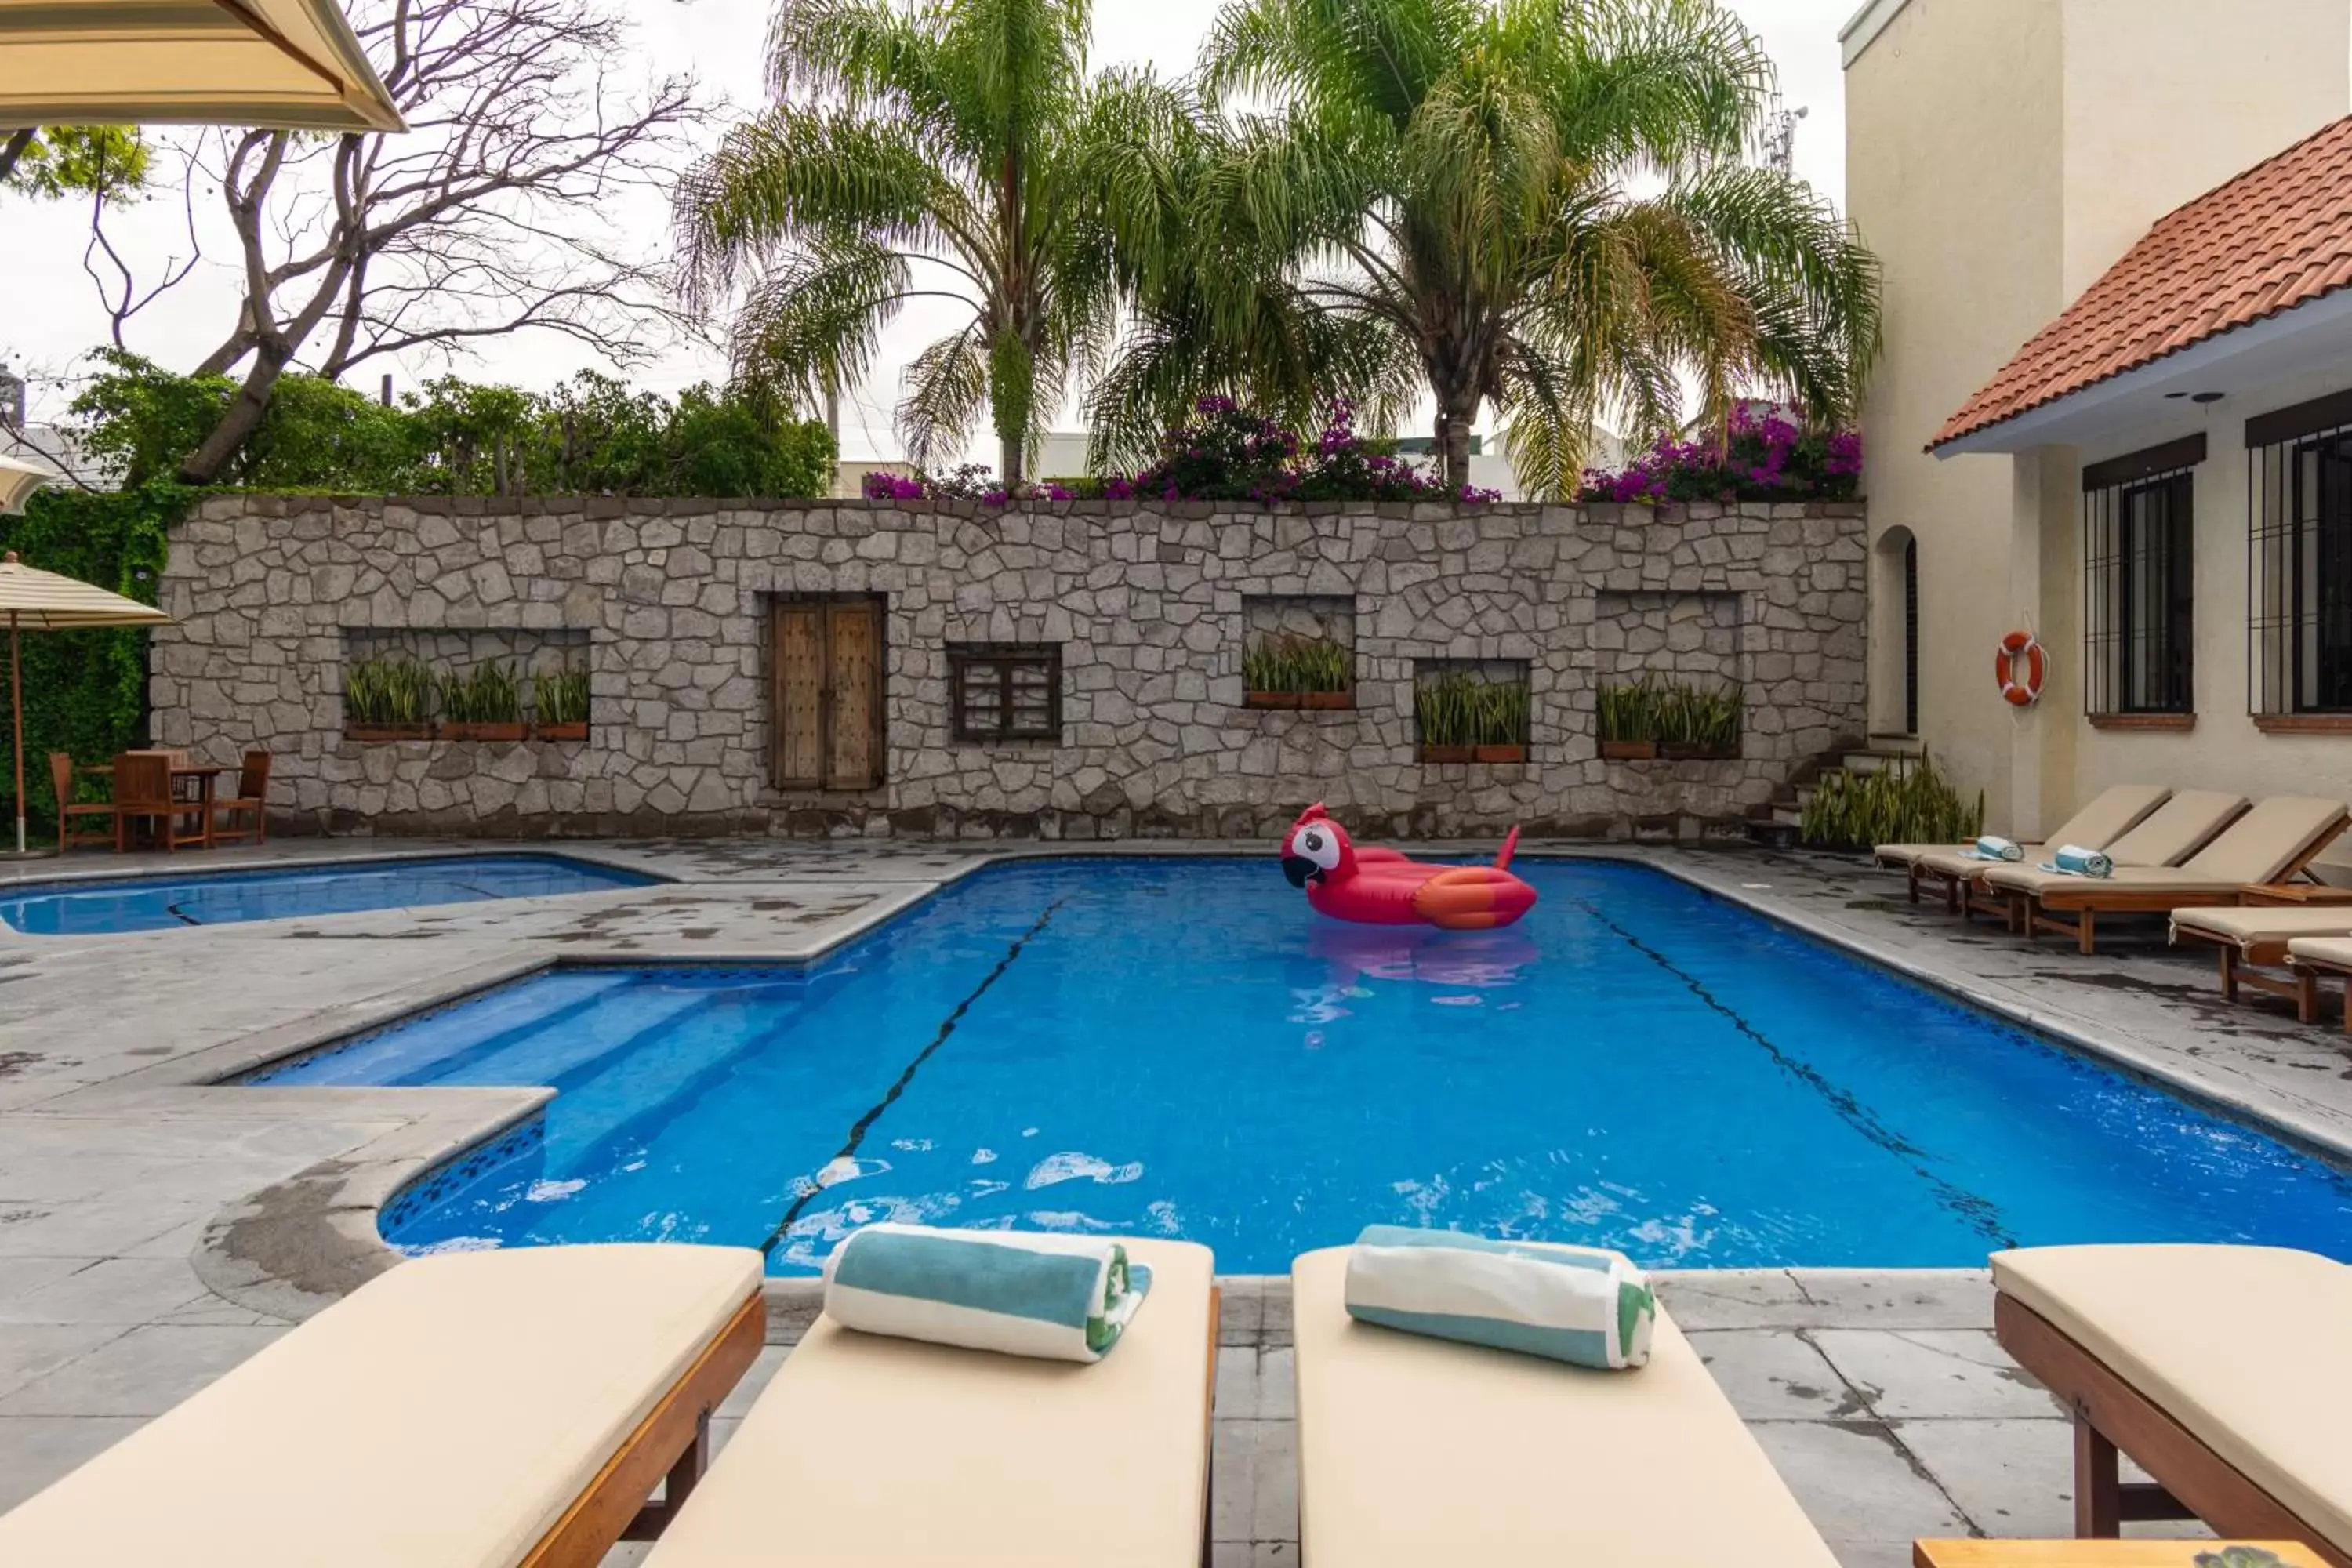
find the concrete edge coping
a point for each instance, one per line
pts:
(291, 1249)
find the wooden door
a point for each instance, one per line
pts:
(827, 704)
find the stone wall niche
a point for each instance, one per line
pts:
(1288, 624)
(1476, 711)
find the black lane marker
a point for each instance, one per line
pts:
(947, 1027)
(183, 916)
(1980, 1213)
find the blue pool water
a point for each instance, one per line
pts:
(1181, 1049)
(160, 903)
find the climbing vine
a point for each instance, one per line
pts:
(85, 692)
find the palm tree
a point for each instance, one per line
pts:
(954, 150)
(1537, 204)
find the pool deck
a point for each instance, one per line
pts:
(156, 1228)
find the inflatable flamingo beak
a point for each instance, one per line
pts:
(1298, 867)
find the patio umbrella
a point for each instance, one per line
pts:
(18, 481)
(279, 64)
(44, 601)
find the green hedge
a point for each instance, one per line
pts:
(85, 692)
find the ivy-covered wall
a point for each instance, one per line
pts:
(85, 692)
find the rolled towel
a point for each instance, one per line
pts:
(2074, 861)
(1990, 847)
(1577, 1304)
(1058, 1298)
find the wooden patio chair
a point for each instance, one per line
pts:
(142, 792)
(71, 813)
(250, 802)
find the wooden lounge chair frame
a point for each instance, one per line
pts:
(2112, 1418)
(2308, 972)
(2096, 897)
(2244, 963)
(671, 1445)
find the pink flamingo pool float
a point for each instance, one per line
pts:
(1374, 886)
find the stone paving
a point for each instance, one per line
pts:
(141, 1253)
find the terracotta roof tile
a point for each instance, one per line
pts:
(2276, 237)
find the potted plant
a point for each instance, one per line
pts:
(1629, 720)
(387, 700)
(1693, 723)
(558, 704)
(1465, 718)
(484, 706)
(1294, 671)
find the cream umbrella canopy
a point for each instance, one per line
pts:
(18, 481)
(278, 64)
(45, 601)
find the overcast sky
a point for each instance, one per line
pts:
(50, 315)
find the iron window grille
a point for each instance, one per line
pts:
(2139, 542)
(1005, 691)
(2299, 559)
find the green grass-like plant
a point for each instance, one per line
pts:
(1917, 805)
(1461, 709)
(560, 696)
(490, 695)
(387, 691)
(1295, 663)
(1673, 712)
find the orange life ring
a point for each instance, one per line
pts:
(2014, 646)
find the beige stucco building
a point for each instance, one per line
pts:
(2003, 156)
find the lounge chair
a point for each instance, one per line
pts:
(2173, 833)
(2111, 813)
(2257, 938)
(2223, 1371)
(2321, 955)
(1414, 1451)
(71, 813)
(889, 1453)
(2272, 843)
(472, 1410)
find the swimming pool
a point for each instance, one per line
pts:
(159, 903)
(1178, 1047)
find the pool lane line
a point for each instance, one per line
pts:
(1980, 1212)
(947, 1027)
(183, 916)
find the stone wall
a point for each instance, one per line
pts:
(1149, 605)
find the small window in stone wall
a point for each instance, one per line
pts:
(1298, 651)
(1472, 710)
(1005, 691)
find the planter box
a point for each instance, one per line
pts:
(560, 731)
(375, 733)
(514, 731)
(1683, 751)
(1449, 754)
(1629, 751)
(1299, 700)
(1511, 753)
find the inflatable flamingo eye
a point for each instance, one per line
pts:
(1322, 847)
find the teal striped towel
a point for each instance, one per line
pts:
(1990, 847)
(1577, 1304)
(1060, 1297)
(2073, 860)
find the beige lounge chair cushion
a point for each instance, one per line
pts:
(2177, 829)
(1414, 1451)
(2251, 926)
(449, 1412)
(1952, 863)
(2261, 844)
(886, 1452)
(2250, 1348)
(2111, 813)
(2333, 951)
(2058, 889)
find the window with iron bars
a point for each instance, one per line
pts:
(2299, 559)
(2139, 546)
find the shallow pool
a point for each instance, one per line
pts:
(1181, 1049)
(159, 903)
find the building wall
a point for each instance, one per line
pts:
(1148, 604)
(2227, 750)
(2000, 155)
